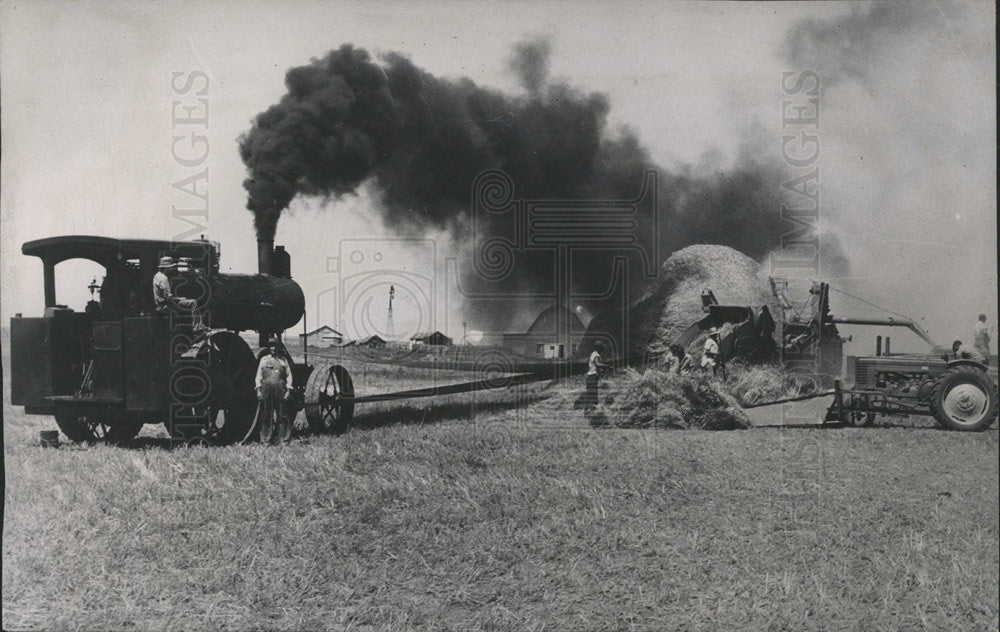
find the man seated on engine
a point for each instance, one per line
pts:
(274, 389)
(163, 295)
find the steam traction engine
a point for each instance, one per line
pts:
(106, 371)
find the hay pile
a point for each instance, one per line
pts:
(656, 399)
(673, 303)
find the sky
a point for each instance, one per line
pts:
(92, 93)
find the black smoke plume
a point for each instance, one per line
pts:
(421, 141)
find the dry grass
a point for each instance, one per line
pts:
(756, 383)
(665, 400)
(512, 517)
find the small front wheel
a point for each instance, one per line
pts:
(329, 399)
(860, 419)
(964, 398)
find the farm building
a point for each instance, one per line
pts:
(429, 339)
(543, 339)
(375, 342)
(324, 337)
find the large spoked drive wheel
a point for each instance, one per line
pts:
(329, 399)
(964, 398)
(92, 428)
(226, 413)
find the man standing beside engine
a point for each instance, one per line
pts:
(274, 389)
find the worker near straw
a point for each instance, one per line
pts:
(981, 338)
(596, 365)
(274, 389)
(678, 360)
(711, 359)
(164, 299)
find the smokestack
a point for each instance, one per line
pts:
(265, 248)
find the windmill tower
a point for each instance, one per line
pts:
(390, 330)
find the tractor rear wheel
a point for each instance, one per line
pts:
(92, 428)
(964, 398)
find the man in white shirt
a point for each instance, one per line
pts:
(981, 338)
(710, 352)
(595, 365)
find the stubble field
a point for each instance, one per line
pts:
(498, 512)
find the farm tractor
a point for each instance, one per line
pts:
(961, 394)
(106, 371)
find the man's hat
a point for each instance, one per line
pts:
(713, 330)
(167, 262)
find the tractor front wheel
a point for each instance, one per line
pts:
(964, 398)
(860, 419)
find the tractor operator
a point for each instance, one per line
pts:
(963, 351)
(274, 389)
(163, 295)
